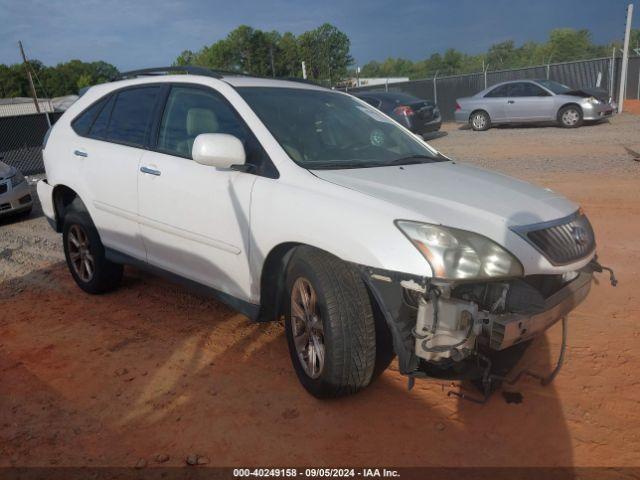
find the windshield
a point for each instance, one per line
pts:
(328, 130)
(555, 87)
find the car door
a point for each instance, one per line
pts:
(528, 102)
(110, 152)
(195, 218)
(495, 102)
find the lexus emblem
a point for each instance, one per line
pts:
(579, 235)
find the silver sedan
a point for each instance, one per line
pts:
(524, 101)
(15, 194)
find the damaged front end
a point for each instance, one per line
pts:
(448, 329)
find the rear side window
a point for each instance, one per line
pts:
(500, 91)
(132, 114)
(83, 122)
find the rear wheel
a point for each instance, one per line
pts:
(330, 326)
(85, 256)
(480, 121)
(570, 116)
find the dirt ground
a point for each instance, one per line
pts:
(152, 369)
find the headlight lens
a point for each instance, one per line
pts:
(593, 100)
(458, 254)
(17, 179)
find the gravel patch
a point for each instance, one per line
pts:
(526, 150)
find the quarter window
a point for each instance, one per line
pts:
(83, 122)
(99, 128)
(132, 114)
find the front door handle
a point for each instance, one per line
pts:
(80, 153)
(511, 101)
(150, 171)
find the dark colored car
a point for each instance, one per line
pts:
(419, 116)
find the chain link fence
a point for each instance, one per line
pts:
(602, 72)
(21, 139)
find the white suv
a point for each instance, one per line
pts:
(283, 198)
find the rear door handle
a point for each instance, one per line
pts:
(511, 101)
(150, 171)
(80, 153)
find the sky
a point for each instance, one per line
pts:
(146, 33)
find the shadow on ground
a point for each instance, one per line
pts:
(150, 368)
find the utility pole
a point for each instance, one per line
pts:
(304, 70)
(625, 59)
(31, 85)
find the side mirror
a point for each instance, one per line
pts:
(218, 150)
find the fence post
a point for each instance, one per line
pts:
(625, 59)
(612, 70)
(485, 76)
(547, 71)
(435, 88)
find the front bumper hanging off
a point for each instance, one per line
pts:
(489, 331)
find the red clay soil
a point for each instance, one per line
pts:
(150, 369)
(632, 106)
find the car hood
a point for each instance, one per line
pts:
(6, 171)
(599, 93)
(455, 195)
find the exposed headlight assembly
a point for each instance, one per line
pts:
(592, 100)
(17, 179)
(457, 254)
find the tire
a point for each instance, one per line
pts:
(480, 121)
(82, 247)
(339, 323)
(570, 116)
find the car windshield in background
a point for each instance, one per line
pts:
(327, 130)
(555, 87)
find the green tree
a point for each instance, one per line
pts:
(326, 53)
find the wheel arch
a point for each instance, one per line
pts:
(62, 197)
(272, 279)
(272, 287)
(476, 110)
(569, 104)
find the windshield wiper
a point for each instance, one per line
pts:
(411, 159)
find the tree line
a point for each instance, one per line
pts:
(563, 44)
(326, 53)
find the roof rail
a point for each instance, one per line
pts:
(189, 69)
(300, 80)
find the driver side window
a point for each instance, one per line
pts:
(191, 111)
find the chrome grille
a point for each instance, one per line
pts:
(562, 241)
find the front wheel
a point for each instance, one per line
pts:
(330, 325)
(570, 116)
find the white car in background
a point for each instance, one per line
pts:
(285, 198)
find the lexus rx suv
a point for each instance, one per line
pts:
(285, 199)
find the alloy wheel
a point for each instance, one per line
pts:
(82, 261)
(307, 329)
(479, 121)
